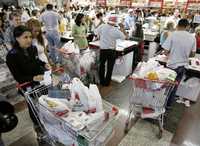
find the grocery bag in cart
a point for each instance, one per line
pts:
(77, 62)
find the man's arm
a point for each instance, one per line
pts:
(167, 45)
(7, 39)
(97, 32)
(122, 29)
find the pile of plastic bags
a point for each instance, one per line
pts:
(77, 63)
(154, 71)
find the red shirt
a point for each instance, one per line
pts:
(198, 42)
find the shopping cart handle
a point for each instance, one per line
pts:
(59, 69)
(19, 86)
(156, 81)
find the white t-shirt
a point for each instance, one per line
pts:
(41, 54)
(180, 44)
(108, 35)
(50, 20)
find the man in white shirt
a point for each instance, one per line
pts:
(51, 20)
(108, 34)
(174, 18)
(25, 16)
(14, 22)
(179, 46)
(129, 21)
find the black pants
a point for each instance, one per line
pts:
(106, 56)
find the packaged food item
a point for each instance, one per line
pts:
(152, 75)
(166, 74)
(54, 105)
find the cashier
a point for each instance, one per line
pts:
(108, 34)
(179, 46)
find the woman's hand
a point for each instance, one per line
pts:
(48, 66)
(38, 78)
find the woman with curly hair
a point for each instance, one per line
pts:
(38, 39)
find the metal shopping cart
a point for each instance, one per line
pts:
(93, 136)
(77, 65)
(148, 100)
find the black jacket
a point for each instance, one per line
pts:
(24, 67)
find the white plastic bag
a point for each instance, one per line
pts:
(144, 67)
(166, 74)
(94, 93)
(87, 59)
(89, 97)
(70, 48)
(78, 90)
(47, 78)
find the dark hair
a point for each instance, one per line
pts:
(138, 31)
(2, 20)
(5, 7)
(49, 7)
(78, 19)
(183, 23)
(14, 14)
(34, 12)
(19, 30)
(98, 15)
(28, 11)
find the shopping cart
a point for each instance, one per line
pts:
(148, 100)
(77, 65)
(85, 137)
(31, 94)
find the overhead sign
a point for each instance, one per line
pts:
(156, 3)
(101, 2)
(194, 1)
(125, 3)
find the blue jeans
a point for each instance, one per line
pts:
(180, 72)
(53, 38)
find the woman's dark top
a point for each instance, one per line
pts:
(24, 64)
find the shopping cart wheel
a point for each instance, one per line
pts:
(126, 129)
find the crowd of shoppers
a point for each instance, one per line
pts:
(34, 39)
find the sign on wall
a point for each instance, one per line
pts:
(101, 2)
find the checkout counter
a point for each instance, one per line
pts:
(125, 58)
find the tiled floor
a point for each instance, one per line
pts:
(187, 134)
